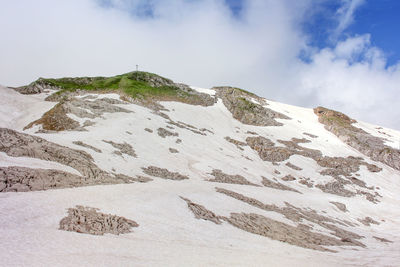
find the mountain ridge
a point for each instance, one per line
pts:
(228, 178)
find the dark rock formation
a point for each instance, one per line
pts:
(88, 220)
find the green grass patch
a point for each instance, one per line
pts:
(246, 104)
(134, 84)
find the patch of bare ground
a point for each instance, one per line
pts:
(251, 132)
(17, 144)
(288, 178)
(371, 146)
(22, 179)
(306, 181)
(200, 212)
(335, 188)
(164, 132)
(340, 206)
(148, 130)
(384, 240)
(186, 126)
(298, 215)
(138, 178)
(367, 221)
(80, 143)
(173, 150)
(163, 173)
(340, 168)
(310, 135)
(297, 236)
(294, 167)
(123, 148)
(56, 119)
(220, 177)
(88, 220)
(240, 104)
(276, 185)
(237, 143)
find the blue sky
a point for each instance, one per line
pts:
(342, 54)
(379, 18)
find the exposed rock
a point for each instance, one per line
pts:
(251, 132)
(307, 182)
(80, 143)
(148, 130)
(240, 104)
(367, 221)
(311, 135)
(22, 179)
(371, 146)
(173, 150)
(138, 178)
(276, 185)
(163, 173)
(297, 215)
(277, 172)
(36, 87)
(339, 205)
(164, 132)
(88, 220)
(56, 119)
(123, 148)
(178, 141)
(221, 177)
(335, 188)
(336, 167)
(298, 236)
(288, 178)
(382, 239)
(186, 126)
(294, 167)
(17, 144)
(237, 143)
(200, 212)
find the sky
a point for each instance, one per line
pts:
(341, 54)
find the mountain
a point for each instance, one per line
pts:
(139, 170)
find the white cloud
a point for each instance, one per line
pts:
(345, 15)
(199, 43)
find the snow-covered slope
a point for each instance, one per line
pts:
(204, 188)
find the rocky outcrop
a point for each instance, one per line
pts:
(340, 206)
(276, 185)
(88, 220)
(220, 177)
(299, 236)
(237, 143)
(123, 148)
(200, 212)
(80, 143)
(56, 119)
(22, 179)
(35, 87)
(339, 168)
(240, 104)
(17, 144)
(296, 215)
(164, 132)
(163, 173)
(371, 146)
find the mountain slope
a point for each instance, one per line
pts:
(205, 176)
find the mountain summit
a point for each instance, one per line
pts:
(136, 169)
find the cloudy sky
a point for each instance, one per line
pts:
(342, 54)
